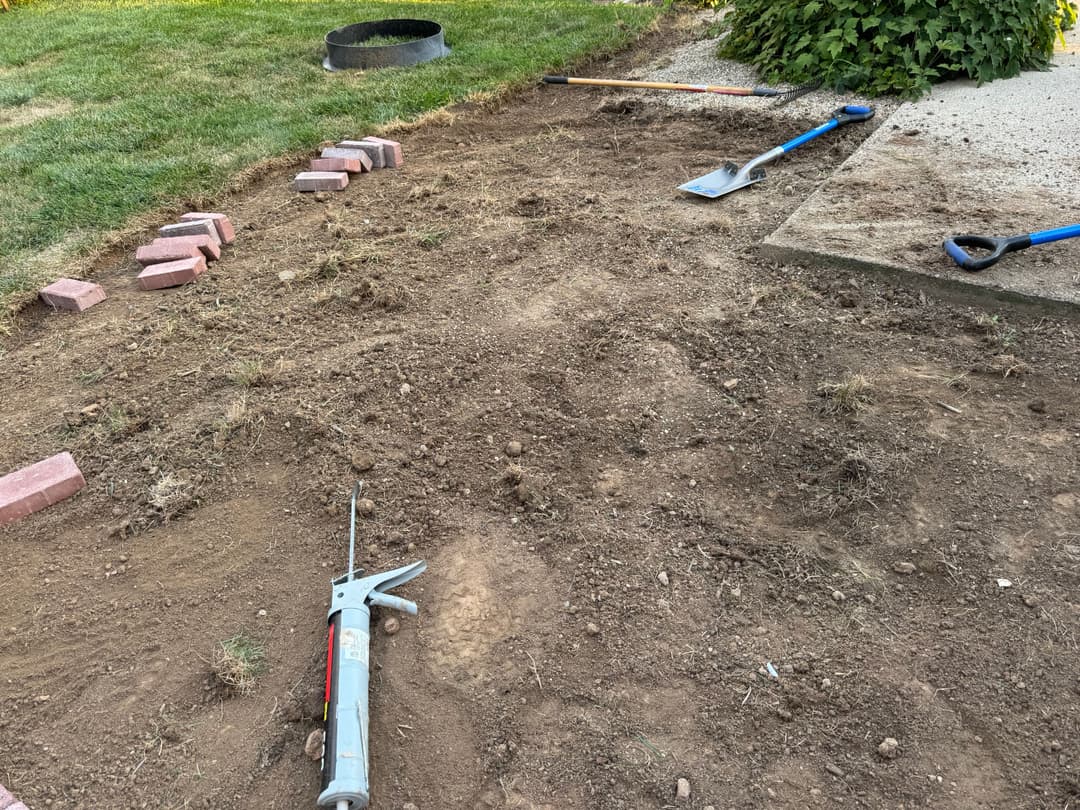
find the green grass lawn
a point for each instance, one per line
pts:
(109, 109)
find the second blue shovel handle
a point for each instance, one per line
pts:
(849, 114)
(997, 245)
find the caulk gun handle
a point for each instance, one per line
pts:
(396, 602)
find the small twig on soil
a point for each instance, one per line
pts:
(749, 689)
(536, 672)
(948, 407)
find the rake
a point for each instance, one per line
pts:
(784, 96)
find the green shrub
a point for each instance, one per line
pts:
(895, 46)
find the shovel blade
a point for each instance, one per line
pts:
(720, 182)
(728, 178)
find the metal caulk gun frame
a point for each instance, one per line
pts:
(345, 760)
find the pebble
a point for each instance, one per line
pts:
(838, 596)
(313, 746)
(662, 578)
(285, 276)
(366, 507)
(888, 748)
(835, 771)
(262, 613)
(441, 461)
(391, 626)
(513, 449)
(405, 389)
(592, 629)
(1052, 747)
(904, 567)
(682, 790)
(409, 806)
(1031, 601)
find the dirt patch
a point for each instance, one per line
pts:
(603, 613)
(11, 117)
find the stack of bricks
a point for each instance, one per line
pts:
(330, 171)
(180, 254)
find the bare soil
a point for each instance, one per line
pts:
(601, 613)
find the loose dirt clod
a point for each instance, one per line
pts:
(514, 449)
(592, 629)
(904, 567)
(313, 745)
(362, 462)
(366, 507)
(888, 748)
(391, 625)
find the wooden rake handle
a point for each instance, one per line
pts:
(689, 88)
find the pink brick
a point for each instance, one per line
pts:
(172, 274)
(336, 164)
(207, 246)
(372, 150)
(358, 155)
(221, 222)
(169, 250)
(321, 181)
(33, 488)
(196, 228)
(392, 155)
(70, 293)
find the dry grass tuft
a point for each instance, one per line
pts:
(238, 662)
(847, 397)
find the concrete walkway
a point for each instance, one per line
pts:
(1000, 159)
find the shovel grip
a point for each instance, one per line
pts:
(997, 245)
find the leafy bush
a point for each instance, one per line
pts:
(894, 46)
(1066, 16)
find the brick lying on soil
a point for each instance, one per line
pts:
(224, 225)
(72, 294)
(172, 274)
(38, 486)
(321, 181)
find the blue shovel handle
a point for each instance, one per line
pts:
(1000, 245)
(848, 114)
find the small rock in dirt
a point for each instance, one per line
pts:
(592, 629)
(904, 567)
(262, 613)
(662, 578)
(285, 276)
(783, 714)
(391, 626)
(405, 389)
(1052, 747)
(366, 507)
(682, 790)
(730, 385)
(888, 748)
(362, 462)
(835, 771)
(313, 746)
(1037, 406)
(513, 449)
(1031, 601)
(441, 461)
(838, 596)
(321, 196)
(409, 806)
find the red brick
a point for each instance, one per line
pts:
(392, 154)
(33, 488)
(169, 250)
(207, 246)
(221, 222)
(70, 293)
(172, 274)
(336, 164)
(201, 226)
(321, 181)
(358, 155)
(372, 150)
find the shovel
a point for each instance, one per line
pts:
(1000, 245)
(731, 178)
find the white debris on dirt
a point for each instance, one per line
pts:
(889, 748)
(682, 790)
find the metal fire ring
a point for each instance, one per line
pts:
(345, 49)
